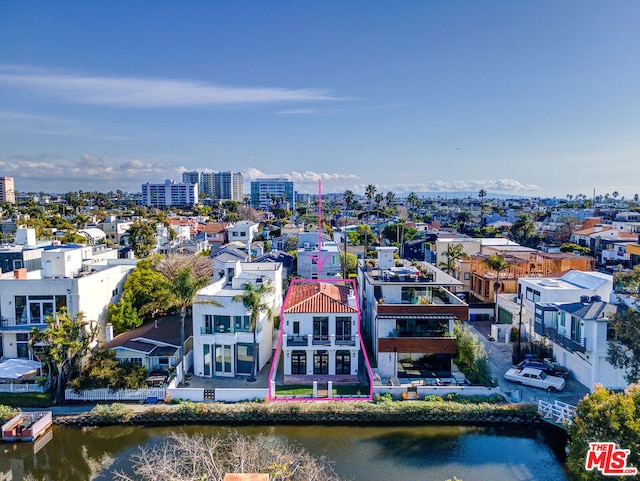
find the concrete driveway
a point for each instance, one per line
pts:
(500, 361)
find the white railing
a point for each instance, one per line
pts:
(20, 388)
(120, 395)
(557, 411)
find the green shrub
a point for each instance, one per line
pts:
(6, 413)
(382, 398)
(26, 400)
(189, 407)
(116, 412)
(105, 371)
(433, 398)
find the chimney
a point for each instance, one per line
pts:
(20, 273)
(108, 332)
(584, 299)
(596, 298)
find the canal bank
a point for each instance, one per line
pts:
(310, 413)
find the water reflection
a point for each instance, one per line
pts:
(359, 453)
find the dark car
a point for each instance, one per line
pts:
(546, 366)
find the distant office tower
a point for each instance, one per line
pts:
(169, 194)
(267, 193)
(7, 192)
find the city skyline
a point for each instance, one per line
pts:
(522, 99)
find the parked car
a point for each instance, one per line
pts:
(546, 365)
(529, 376)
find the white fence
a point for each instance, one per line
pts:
(422, 391)
(20, 388)
(557, 412)
(105, 394)
(240, 394)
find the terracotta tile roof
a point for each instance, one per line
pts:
(318, 297)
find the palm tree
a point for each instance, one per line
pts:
(454, 253)
(497, 263)
(412, 201)
(482, 194)
(463, 219)
(253, 299)
(184, 277)
(369, 193)
(348, 201)
(378, 200)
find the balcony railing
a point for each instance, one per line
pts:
(330, 340)
(11, 324)
(224, 330)
(297, 340)
(554, 336)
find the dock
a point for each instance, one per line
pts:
(27, 426)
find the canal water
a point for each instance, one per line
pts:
(429, 453)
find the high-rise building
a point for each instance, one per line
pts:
(169, 194)
(267, 193)
(194, 177)
(7, 192)
(218, 185)
(229, 185)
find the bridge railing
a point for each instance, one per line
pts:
(557, 411)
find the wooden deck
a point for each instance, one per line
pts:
(27, 426)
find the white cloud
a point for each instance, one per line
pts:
(88, 172)
(147, 92)
(302, 177)
(495, 185)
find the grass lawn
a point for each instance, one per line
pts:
(294, 390)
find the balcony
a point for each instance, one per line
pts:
(554, 336)
(311, 340)
(9, 324)
(297, 340)
(222, 329)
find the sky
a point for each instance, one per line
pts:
(531, 98)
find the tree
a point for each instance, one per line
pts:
(144, 295)
(462, 219)
(624, 346)
(184, 276)
(378, 200)
(522, 231)
(104, 370)
(369, 193)
(604, 416)
(181, 457)
(254, 300)
(142, 238)
(413, 202)
(454, 253)
(359, 236)
(482, 194)
(497, 263)
(399, 232)
(350, 265)
(61, 346)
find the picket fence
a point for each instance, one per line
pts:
(20, 388)
(120, 395)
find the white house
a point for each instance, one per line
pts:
(308, 251)
(243, 231)
(579, 334)
(320, 323)
(570, 287)
(67, 279)
(223, 339)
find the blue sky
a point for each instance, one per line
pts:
(530, 98)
